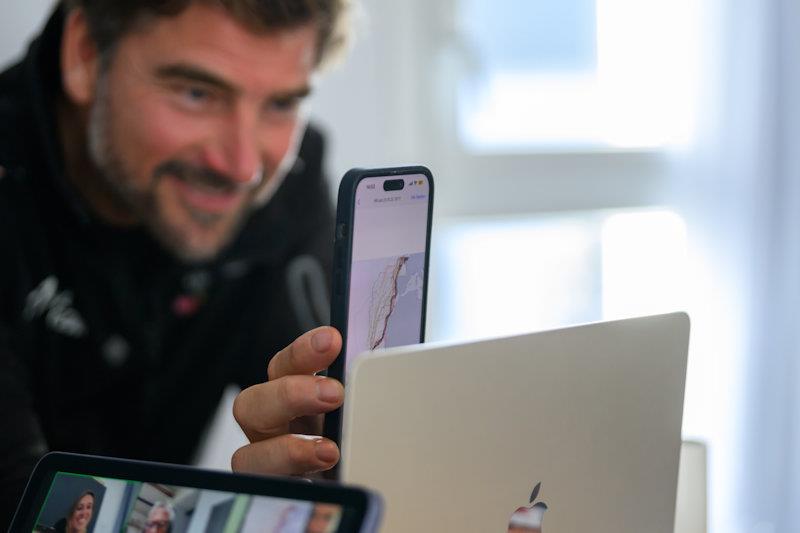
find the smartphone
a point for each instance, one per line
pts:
(380, 272)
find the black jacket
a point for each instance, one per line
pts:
(110, 346)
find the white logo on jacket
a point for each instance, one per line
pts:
(60, 316)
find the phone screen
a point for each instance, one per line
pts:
(387, 273)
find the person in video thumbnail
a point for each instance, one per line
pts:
(159, 519)
(324, 518)
(79, 516)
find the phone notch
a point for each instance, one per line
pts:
(394, 185)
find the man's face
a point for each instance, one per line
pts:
(323, 515)
(192, 116)
(157, 521)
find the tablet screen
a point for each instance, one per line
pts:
(79, 502)
(72, 492)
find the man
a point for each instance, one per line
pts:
(152, 250)
(324, 518)
(159, 518)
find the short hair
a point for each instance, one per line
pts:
(109, 20)
(166, 506)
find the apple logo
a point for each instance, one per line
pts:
(528, 519)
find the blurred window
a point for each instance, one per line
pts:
(511, 275)
(562, 74)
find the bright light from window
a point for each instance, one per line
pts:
(645, 260)
(504, 277)
(648, 54)
(637, 91)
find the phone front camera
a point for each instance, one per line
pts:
(394, 185)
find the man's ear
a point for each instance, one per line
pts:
(80, 61)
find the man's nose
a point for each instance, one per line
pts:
(237, 153)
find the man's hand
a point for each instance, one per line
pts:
(282, 417)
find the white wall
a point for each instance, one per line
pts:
(20, 20)
(368, 102)
(112, 504)
(202, 511)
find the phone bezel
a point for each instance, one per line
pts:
(342, 261)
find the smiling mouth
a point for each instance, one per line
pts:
(208, 199)
(205, 192)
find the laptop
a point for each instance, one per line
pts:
(70, 492)
(570, 430)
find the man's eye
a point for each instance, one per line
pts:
(285, 105)
(197, 94)
(194, 97)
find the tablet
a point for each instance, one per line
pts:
(97, 494)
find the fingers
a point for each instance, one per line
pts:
(309, 353)
(292, 398)
(286, 455)
(265, 410)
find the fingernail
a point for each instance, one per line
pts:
(321, 340)
(326, 451)
(328, 390)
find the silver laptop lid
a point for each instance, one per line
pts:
(458, 437)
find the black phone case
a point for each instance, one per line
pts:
(343, 252)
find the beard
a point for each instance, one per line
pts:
(198, 236)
